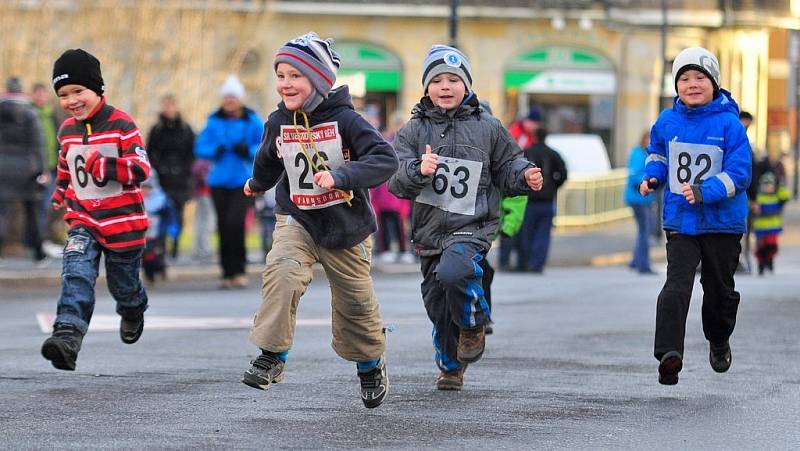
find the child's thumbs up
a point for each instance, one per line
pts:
(429, 162)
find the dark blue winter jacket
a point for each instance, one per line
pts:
(705, 146)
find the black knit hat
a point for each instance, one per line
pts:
(78, 67)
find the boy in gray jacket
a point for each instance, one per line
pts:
(455, 159)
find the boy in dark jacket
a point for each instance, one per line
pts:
(323, 157)
(454, 161)
(101, 164)
(700, 150)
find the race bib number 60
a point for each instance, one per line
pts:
(84, 184)
(692, 163)
(454, 187)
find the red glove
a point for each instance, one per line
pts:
(94, 163)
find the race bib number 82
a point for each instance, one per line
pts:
(692, 164)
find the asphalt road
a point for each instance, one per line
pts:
(570, 366)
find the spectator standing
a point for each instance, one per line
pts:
(641, 206)
(230, 140)
(22, 164)
(541, 208)
(170, 146)
(50, 223)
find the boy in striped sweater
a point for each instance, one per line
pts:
(100, 166)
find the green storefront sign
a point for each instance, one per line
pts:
(380, 68)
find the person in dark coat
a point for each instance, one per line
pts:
(171, 149)
(541, 209)
(22, 163)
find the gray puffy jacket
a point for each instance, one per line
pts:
(478, 160)
(22, 150)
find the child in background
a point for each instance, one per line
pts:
(455, 160)
(767, 221)
(323, 157)
(100, 166)
(163, 222)
(700, 150)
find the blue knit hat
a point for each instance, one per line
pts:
(445, 59)
(314, 58)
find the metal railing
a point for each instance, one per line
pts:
(592, 200)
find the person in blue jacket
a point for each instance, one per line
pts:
(641, 206)
(230, 140)
(699, 149)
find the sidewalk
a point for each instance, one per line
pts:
(598, 246)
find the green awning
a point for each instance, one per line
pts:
(380, 68)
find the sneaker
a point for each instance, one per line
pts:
(671, 365)
(131, 329)
(240, 281)
(471, 344)
(61, 349)
(266, 369)
(374, 385)
(451, 380)
(720, 356)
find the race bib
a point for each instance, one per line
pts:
(454, 187)
(300, 158)
(83, 183)
(692, 163)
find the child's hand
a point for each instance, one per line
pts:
(93, 163)
(534, 179)
(249, 192)
(688, 193)
(648, 186)
(324, 179)
(430, 161)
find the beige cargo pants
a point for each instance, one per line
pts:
(356, 320)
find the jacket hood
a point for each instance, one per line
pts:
(426, 108)
(338, 99)
(724, 102)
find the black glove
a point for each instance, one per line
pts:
(219, 151)
(652, 183)
(242, 150)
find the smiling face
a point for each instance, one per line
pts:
(695, 88)
(447, 91)
(79, 101)
(293, 87)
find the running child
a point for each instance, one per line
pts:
(455, 160)
(323, 156)
(700, 150)
(100, 166)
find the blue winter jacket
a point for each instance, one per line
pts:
(636, 164)
(713, 126)
(228, 169)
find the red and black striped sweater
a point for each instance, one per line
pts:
(109, 203)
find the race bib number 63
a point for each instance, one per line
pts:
(454, 187)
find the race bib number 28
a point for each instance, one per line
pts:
(83, 183)
(454, 187)
(692, 163)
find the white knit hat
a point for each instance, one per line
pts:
(696, 58)
(232, 87)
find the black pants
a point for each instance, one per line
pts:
(453, 297)
(719, 254)
(231, 206)
(32, 234)
(179, 202)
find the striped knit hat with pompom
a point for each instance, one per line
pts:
(314, 58)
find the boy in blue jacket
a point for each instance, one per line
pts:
(700, 149)
(323, 156)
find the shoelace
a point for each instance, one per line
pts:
(371, 379)
(322, 164)
(265, 362)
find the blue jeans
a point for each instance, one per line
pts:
(79, 274)
(641, 252)
(535, 234)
